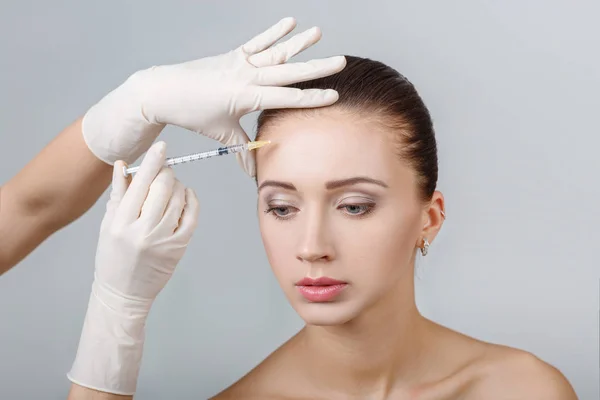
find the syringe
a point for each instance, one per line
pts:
(221, 151)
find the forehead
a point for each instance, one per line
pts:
(328, 146)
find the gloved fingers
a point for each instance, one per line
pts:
(282, 52)
(279, 97)
(170, 221)
(189, 217)
(286, 74)
(267, 38)
(119, 187)
(119, 182)
(134, 198)
(159, 195)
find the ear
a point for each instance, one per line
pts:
(432, 218)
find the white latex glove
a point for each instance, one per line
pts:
(209, 95)
(144, 234)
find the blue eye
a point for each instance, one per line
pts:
(354, 210)
(358, 209)
(279, 212)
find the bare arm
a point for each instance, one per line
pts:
(60, 184)
(80, 393)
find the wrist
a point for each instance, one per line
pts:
(111, 345)
(122, 305)
(151, 86)
(118, 127)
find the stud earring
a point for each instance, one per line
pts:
(425, 248)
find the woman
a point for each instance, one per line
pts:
(347, 199)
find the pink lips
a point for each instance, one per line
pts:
(321, 289)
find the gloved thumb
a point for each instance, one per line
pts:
(119, 183)
(245, 158)
(119, 186)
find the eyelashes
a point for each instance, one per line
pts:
(277, 212)
(354, 210)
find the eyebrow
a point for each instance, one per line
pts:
(329, 185)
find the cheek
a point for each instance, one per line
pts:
(379, 249)
(278, 244)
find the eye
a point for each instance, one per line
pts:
(280, 212)
(358, 209)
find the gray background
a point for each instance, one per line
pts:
(513, 87)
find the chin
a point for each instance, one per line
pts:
(326, 314)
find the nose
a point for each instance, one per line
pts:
(316, 242)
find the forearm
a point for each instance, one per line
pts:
(81, 393)
(61, 183)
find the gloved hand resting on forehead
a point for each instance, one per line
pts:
(209, 95)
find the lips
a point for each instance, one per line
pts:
(321, 289)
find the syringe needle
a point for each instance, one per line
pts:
(207, 154)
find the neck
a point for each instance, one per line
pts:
(379, 349)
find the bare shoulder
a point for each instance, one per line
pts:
(247, 388)
(261, 383)
(250, 387)
(507, 373)
(269, 380)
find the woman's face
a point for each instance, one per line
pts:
(339, 214)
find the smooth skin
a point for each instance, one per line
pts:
(44, 197)
(370, 342)
(82, 393)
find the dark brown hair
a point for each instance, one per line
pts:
(376, 91)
